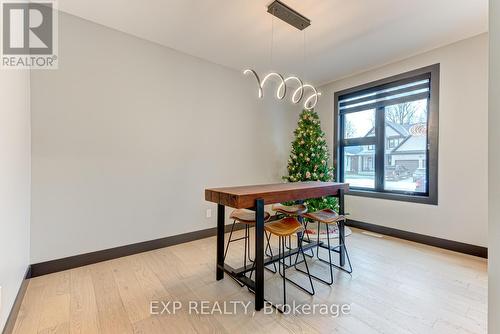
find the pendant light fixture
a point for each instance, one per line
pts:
(302, 90)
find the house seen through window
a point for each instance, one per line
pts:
(387, 137)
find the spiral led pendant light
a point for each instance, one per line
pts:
(292, 17)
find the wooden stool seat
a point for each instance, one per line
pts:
(326, 216)
(290, 210)
(284, 227)
(247, 216)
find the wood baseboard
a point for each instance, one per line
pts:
(421, 238)
(14, 311)
(48, 267)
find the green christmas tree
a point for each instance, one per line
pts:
(309, 158)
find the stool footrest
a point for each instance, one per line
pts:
(233, 240)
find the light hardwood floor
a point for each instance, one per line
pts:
(397, 287)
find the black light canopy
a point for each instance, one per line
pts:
(287, 14)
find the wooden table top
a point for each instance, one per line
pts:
(245, 196)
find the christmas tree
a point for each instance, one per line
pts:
(309, 158)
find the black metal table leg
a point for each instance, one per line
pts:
(341, 226)
(221, 213)
(259, 254)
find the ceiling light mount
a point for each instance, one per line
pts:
(289, 15)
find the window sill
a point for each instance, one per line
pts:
(431, 200)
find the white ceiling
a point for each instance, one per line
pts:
(345, 37)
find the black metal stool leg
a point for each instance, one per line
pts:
(307, 272)
(341, 245)
(302, 235)
(229, 241)
(279, 255)
(267, 247)
(317, 246)
(329, 262)
(282, 249)
(268, 237)
(227, 247)
(347, 255)
(248, 243)
(268, 250)
(317, 254)
(308, 238)
(312, 292)
(301, 251)
(245, 251)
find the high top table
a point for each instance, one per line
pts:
(254, 198)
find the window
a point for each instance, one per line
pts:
(368, 164)
(387, 137)
(356, 168)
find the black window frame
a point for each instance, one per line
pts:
(431, 72)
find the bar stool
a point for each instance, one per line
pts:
(290, 210)
(295, 210)
(284, 228)
(246, 217)
(328, 217)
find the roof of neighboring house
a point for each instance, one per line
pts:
(403, 130)
(358, 150)
(412, 144)
(353, 150)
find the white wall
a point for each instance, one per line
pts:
(14, 185)
(127, 134)
(463, 138)
(494, 176)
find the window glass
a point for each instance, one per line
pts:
(359, 124)
(359, 166)
(405, 164)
